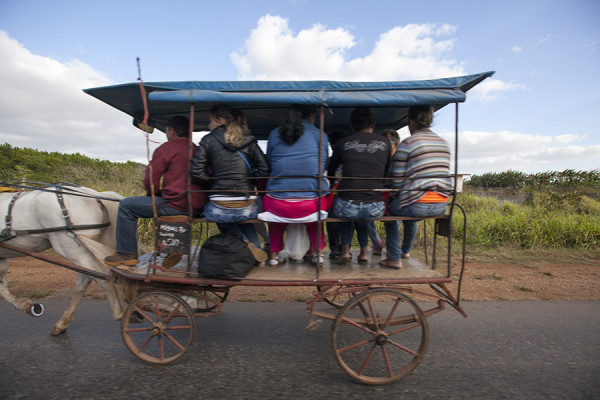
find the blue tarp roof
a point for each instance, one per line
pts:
(265, 103)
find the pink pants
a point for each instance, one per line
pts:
(293, 209)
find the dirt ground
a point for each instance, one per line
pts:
(499, 275)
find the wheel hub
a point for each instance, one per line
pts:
(381, 339)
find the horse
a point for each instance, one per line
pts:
(79, 224)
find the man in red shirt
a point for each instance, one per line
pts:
(170, 164)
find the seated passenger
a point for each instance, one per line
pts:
(293, 154)
(421, 168)
(231, 154)
(170, 165)
(363, 154)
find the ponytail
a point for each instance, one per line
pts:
(291, 129)
(235, 123)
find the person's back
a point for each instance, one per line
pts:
(297, 159)
(363, 154)
(297, 156)
(231, 155)
(171, 158)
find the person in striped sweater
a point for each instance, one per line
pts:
(421, 168)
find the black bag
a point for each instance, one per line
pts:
(225, 256)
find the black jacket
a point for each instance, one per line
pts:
(216, 159)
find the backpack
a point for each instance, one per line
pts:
(225, 256)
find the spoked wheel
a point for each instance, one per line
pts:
(158, 327)
(207, 300)
(339, 299)
(379, 336)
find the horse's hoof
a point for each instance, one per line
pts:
(35, 310)
(57, 331)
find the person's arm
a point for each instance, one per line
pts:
(259, 161)
(334, 162)
(324, 152)
(199, 165)
(158, 166)
(400, 163)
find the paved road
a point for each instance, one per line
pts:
(504, 350)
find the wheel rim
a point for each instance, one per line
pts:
(158, 327)
(208, 300)
(340, 297)
(379, 336)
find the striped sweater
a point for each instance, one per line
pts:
(421, 164)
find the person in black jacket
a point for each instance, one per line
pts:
(225, 160)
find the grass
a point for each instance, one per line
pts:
(524, 288)
(497, 277)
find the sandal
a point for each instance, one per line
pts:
(345, 260)
(386, 262)
(363, 260)
(273, 262)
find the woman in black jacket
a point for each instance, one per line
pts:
(225, 160)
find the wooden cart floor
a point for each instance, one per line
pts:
(332, 269)
(304, 271)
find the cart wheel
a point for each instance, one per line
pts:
(166, 330)
(379, 336)
(208, 299)
(338, 300)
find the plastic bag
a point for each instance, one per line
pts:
(297, 242)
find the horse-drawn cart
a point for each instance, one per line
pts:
(379, 333)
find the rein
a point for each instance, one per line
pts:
(8, 233)
(69, 191)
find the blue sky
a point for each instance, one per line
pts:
(539, 112)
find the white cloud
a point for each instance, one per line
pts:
(272, 51)
(517, 49)
(42, 106)
(482, 152)
(492, 89)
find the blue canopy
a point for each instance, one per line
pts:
(265, 103)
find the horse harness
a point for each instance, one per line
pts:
(8, 233)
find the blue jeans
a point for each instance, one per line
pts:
(228, 219)
(130, 210)
(392, 229)
(359, 212)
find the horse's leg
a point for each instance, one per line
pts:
(19, 304)
(80, 255)
(82, 282)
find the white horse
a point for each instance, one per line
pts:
(38, 210)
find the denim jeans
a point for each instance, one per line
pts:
(228, 219)
(359, 212)
(130, 210)
(392, 229)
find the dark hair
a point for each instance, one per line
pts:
(180, 124)
(422, 116)
(235, 123)
(391, 134)
(336, 136)
(291, 129)
(362, 118)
